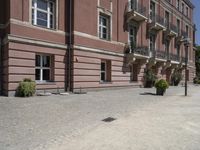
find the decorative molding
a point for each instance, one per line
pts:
(101, 51)
(96, 38)
(19, 39)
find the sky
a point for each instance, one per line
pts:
(197, 19)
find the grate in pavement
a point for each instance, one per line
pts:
(109, 119)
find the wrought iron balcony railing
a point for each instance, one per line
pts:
(136, 6)
(174, 57)
(174, 28)
(184, 33)
(140, 50)
(160, 54)
(158, 19)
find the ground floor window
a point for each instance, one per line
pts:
(43, 67)
(105, 71)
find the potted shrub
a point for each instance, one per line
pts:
(149, 78)
(161, 86)
(26, 88)
(176, 77)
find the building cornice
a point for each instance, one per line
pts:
(25, 40)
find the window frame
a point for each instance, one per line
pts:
(134, 36)
(103, 71)
(41, 68)
(107, 27)
(35, 10)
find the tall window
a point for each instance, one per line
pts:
(43, 68)
(132, 36)
(167, 19)
(167, 43)
(105, 74)
(178, 26)
(187, 30)
(152, 10)
(104, 27)
(178, 4)
(183, 8)
(187, 11)
(152, 43)
(133, 4)
(43, 13)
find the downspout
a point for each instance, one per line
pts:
(70, 47)
(1, 64)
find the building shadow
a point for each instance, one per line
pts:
(148, 93)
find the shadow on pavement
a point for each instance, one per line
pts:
(148, 93)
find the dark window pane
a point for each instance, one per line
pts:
(41, 15)
(37, 74)
(46, 61)
(42, 23)
(51, 21)
(42, 4)
(51, 7)
(104, 22)
(103, 76)
(46, 74)
(37, 61)
(103, 66)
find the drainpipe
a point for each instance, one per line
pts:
(69, 86)
(1, 64)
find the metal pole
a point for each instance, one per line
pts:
(186, 61)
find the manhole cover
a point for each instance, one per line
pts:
(109, 119)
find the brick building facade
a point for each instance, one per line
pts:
(93, 44)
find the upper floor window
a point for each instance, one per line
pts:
(178, 4)
(132, 36)
(167, 19)
(178, 26)
(43, 13)
(187, 30)
(152, 10)
(183, 8)
(187, 11)
(104, 27)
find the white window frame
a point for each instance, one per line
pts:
(107, 27)
(187, 11)
(135, 34)
(154, 13)
(178, 4)
(48, 12)
(103, 71)
(41, 68)
(183, 8)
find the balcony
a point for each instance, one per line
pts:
(174, 58)
(156, 22)
(171, 30)
(135, 12)
(137, 52)
(160, 55)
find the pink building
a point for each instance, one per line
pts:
(93, 44)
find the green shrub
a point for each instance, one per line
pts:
(195, 80)
(26, 88)
(176, 77)
(161, 84)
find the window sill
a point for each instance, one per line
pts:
(45, 82)
(45, 28)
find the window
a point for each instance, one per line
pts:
(132, 36)
(187, 30)
(133, 4)
(152, 10)
(167, 19)
(183, 8)
(152, 43)
(187, 11)
(178, 4)
(105, 75)
(43, 13)
(178, 26)
(104, 27)
(43, 68)
(167, 43)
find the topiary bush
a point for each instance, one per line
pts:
(26, 88)
(161, 86)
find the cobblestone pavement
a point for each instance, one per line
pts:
(74, 122)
